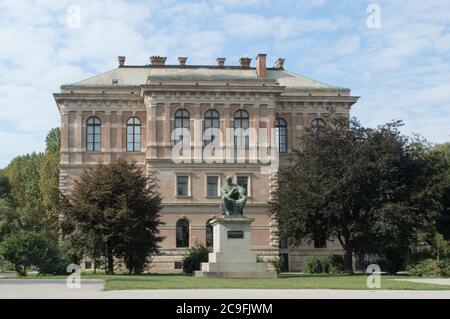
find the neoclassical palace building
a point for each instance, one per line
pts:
(138, 111)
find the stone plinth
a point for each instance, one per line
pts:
(232, 256)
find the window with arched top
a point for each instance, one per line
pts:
(281, 135)
(209, 235)
(241, 122)
(211, 120)
(318, 124)
(93, 134)
(182, 119)
(133, 135)
(182, 233)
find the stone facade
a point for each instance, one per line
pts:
(153, 94)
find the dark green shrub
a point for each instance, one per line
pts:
(444, 266)
(325, 265)
(333, 264)
(430, 267)
(313, 265)
(26, 249)
(425, 268)
(196, 256)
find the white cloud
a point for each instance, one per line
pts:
(402, 70)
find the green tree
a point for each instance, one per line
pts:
(112, 211)
(53, 141)
(443, 221)
(5, 186)
(9, 219)
(440, 247)
(372, 189)
(28, 248)
(48, 170)
(23, 176)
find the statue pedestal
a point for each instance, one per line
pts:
(232, 256)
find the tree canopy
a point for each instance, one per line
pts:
(112, 212)
(371, 189)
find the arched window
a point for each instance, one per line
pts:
(281, 135)
(133, 135)
(211, 120)
(241, 122)
(182, 119)
(317, 125)
(182, 230)
(209, 234)
(93, 135)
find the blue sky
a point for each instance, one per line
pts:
(401, 70)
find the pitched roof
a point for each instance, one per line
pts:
(138, 75)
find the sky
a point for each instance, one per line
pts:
(395, 54)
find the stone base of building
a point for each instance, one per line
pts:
(232, 256)
(235, 274)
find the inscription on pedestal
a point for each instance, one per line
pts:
(235, 234)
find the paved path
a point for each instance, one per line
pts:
(51, 289)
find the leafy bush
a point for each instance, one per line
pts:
(430, 267)
(196, 256)
(333, 264)
(324, 265)
(26, 249)
(313, 265)
(425, 268)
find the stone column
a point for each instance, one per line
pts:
(78, 137)
(64, 137)
(119, 131)
(151, 128)
(254, 140)
(225, 136)
(106, 143)
(167, 129)
(297, 130)
(197, 134)
(270, 125)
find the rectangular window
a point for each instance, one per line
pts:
(283, 243)
(178, 265)
(182, 185)
(243, 182)
(212, 187)
(320, 243)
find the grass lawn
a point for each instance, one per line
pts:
(284, 281)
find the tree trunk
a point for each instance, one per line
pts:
(110, 260)
(130, 266)
(348, 253)
(348, 259)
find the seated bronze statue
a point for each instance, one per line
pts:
(233, 200)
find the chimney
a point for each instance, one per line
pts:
(182, 60)
(245, 62)
(221, 61)
(261, 65)
(279, 64)
(121, 60)
(158, 60)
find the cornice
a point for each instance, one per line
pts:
(317, 98)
